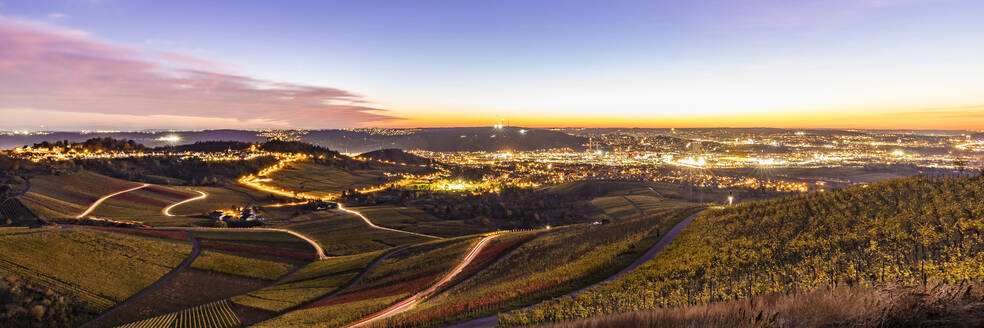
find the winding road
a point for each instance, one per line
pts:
(317, 247)
(167, 210)
(412, 300)
(104, 198)
(364, 218)
(196, 249)
(493, 320)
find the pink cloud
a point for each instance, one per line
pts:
(56, 69)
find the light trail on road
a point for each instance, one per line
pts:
(104, 198)
(409, 302)
(167, 210)
(364, 218)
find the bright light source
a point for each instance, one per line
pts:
(522, 131)
(170, 138)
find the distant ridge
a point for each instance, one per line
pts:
(395, 155)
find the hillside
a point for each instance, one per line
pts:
(447, 139)
(911, 230)
(395, 156)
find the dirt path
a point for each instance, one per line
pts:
(167, 210)
(638, 209)
(104, 198)
(196, 249)
(364, 218)
(493, 320)
(317, 247)
(409, 302)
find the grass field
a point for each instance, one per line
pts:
(100, 268)
(394, 279)
(347, 234)
(416, 220)
(322, 180)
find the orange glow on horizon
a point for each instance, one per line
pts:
(961, 118)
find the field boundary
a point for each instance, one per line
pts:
(195, 251)
(104, 198)
(669, 237)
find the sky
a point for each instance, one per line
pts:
(132, 64)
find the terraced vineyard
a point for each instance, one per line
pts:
(146, 205)
(240, 265)
(212, 315)
(908, 231)
(322, 180)
(81, 262)
(347, 234)
(312, 282)
(394, 279)
(554, 263)
(416, 220)
(67, 196)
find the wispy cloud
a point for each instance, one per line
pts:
(46, 67)
(57, 15)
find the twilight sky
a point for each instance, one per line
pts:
(131, 64)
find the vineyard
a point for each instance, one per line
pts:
(80, 262)
(67, 196)
(146, 205)
(322, 180)
(212, 315)
(269, 245)
(314, 281)
(12, 209)
(347, 234)
(554, 263)
(417, 220)
(240, 265)
(218, 198)
(910, 230)
(393, 279)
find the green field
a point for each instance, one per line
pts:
(323, 180)
(100, 268)
(341, 233)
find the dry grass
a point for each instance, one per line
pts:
(885, 306)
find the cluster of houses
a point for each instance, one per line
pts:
(248, 218)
